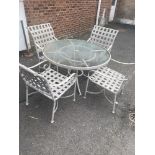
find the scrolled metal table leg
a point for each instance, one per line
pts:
(86, 88)
(78, 87)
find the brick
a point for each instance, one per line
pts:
(68, 17)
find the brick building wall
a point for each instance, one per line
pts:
(67, 17)
(125, 9)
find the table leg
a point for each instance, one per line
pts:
(78, 87)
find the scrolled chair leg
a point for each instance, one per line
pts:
(55, 106)
(27, 95)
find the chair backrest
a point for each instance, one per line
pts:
(34, 80)
(42, 34)
(103, 36)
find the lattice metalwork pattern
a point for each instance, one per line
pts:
(108, 79)
(42, 34)
(49, 82)
(35, 81)
(58, 82)
(103, 36)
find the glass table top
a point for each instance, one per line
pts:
(76, 54)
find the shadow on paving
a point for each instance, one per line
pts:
(87, 126)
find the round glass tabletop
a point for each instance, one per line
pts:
(76, 54)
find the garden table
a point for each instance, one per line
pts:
(76, 54)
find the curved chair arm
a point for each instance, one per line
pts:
(38, 64)
(55, 38)
(88, 39)
(28, 69)
(39, 46)
(109, 48)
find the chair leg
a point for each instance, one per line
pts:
(27, 95)
(114, 104)
(74, 92)
(55, 106)
(86, 88)
(122, 90)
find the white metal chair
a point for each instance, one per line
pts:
(103, 37)
(109, 80)
(41, 35)
(48, 82)
(105, 77)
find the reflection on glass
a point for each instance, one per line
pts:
(75, 53)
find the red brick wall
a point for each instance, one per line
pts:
(67, 17)
(125, 9)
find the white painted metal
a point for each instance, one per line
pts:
(103, 18)
(114, 104)
(112, 10)
(105, 77)
(98, 12)
(22, 45)
(41, 34)
(109, 80)
(126, 21)
(103, 37)
(48, 82)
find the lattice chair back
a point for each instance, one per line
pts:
(41, 35)
(103, 37)
(34, 80)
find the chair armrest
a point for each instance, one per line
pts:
(28, 69)
(47, 42)
(88, 39)
(55, 38)
(109, 48)
(39, 47)
(38, 64)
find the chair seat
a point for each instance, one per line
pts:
(54, 79)
(108, 79)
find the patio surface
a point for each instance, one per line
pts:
(87, 126)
